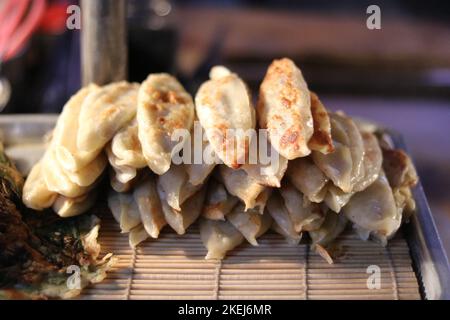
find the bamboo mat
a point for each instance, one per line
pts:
(173, 267)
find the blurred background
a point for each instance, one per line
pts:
(398, 75)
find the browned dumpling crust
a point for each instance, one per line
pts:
(284, 109)
(225, 110)
(321, 139)
(163, 107)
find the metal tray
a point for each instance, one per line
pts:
(23, 136)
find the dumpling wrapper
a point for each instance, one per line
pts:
(57, 179)
(269, 174)
(198, 173)
(90, 173)
(65, 133)
(261, 200)
(250, 223)
(399, 168)
(126, 147)
(116, 185)
(239, 184)
(137, 235)
(224, 108)
(321, 139)
(344, 166)
(283, 223)
(104, 112)
(174, 187)
(292, 239)
(354, 142)
(124, 209)
(304, 215)
(284, 109)
(164, 106)
(330, 229)
(190, 211)
(35, 194)
(372, 162)
(307, 178)
(123, 173)
(337, 166)
(70, 207)
(335, 198)
(198, 170)
(218, 202)
(402, 177)
(219, 237)
(373, 211)
(149, 204)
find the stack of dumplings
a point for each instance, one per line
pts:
(330, 170)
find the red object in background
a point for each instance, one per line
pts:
(54, 18)
(18, 21)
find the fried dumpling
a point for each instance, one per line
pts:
(333, 225)
(268, 174)
(219, 237)
(399, 168)
(137, 235)
(307, 178)
(126, 147)
(65, 133)
(124, 209)
(250, 223)
(292, 238)
(373, 211)
(239, 184)
(174, 187)
(402, 177)
(35, 194)
(116, 185)
(335, 198)
(344, 166)
(337, 166)
(304, 215)
(147, 199)
(218, 202)
(261, 200)
(284, 109)
(70, 207)
(372, 161)
(346, 126)
(224, 109)
(191, 209)
(283, 223)
(198, 169)
(104, 112)
(56, 177)
(198, 173)
(164, 106)
(321, 139)
(123, 173)
(90, 173)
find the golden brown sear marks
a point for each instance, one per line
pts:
(321, 139)
(284, 109)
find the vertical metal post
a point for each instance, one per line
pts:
(104, 51)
